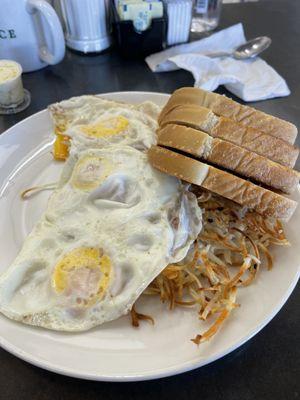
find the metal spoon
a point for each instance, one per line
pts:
(247, 50)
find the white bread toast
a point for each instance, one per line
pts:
(243, 192)
(229, 156)
(223, 128)
(226, 107)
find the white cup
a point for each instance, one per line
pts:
(30, 34)
(11, 87)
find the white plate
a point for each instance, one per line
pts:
(116, 351)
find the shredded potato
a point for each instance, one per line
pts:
(25, 194)
(136, 317)
(227, 255)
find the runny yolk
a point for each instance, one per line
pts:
(108, 127)
(82, 275)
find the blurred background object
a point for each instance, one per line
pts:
(179, 20)
(249, 79)
(139, 27)
(57, 7)
(13, 97)
(239, 1)
(140, 12)
(11, 86)
(249, 49)
(31, 34)
(86, 24)
(206, 15)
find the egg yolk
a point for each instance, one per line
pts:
(89, 172)
(61, 147)
(108, 127)
(83, 275)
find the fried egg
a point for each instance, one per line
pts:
(112, 225)
(92, 122)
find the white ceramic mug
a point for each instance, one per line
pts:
(30, 33)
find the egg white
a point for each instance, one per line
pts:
(111, 199)
(73, 116)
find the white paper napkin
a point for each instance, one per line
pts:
(251, 80)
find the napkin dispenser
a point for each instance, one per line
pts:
(133, 43)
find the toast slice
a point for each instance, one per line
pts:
(225, 184)
(223, 128)
(225, 107)
(229, 156)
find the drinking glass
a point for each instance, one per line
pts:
(206, 15)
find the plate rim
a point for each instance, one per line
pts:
(165, 371)
(171, 371)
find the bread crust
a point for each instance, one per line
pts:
(223, 128)
(243, 192)
(229, 156)
(226, 107)
(253, 140)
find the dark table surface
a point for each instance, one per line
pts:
(268, 366)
